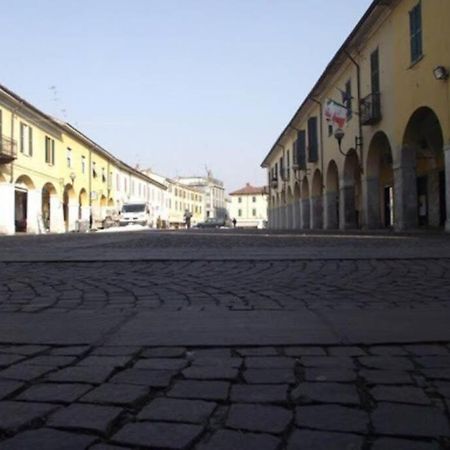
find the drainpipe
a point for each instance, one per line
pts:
(313, 99)
(359, 140)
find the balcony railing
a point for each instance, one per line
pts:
(8, 150)
(274, 183)
(284, 173)
(371, 109)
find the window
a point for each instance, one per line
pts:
(415, 32)
(83, 164)
(347, 98)
(26, 139)
(239, 199)
(375, 72)
(313, 145)
(103, 175)
(301, 149)
(117, 182)
(94, 170)
(49, 150)
(254, 212)
(239, 212)
(69, 157)
(254, 199)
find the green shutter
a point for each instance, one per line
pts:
(313, 146)
(30, 141)
(301, 149)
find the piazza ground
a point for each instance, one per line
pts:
(225, 340)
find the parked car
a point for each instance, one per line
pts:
(134, 213)
(214, 222)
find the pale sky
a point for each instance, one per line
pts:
(175, 85)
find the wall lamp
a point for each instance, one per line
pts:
(72, 176)
(440, 73)
(339, 134)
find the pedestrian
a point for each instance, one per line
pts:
(234, 222)
(187, 218)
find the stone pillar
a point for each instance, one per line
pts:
(347, 211)
(7, 208)
(372, 205)
(447, 187)
(85, 213)
(290, 216)
(295, 214)
(331, 212)
(305, 206)
(72, 215)
(316, 213)
(405, 191)
(56, 215)
(34, 209)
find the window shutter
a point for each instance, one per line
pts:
(301, 149)
(294, 153)
(22, 138)
(30, 141)
(53, 152)
(313, 153)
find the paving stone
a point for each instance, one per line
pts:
(7, 387)
(304, 351)
(47, 439)
(388, 350)
(346, 351)
(159, 435)
(69, 351)
(270, 362)
(80, 374)
(116, 394)
(331, 362)
(161, 364)
(385, 376)
(49, 360)
(259, 393)
(105, 361)
(326, 374)
(235, 440)
(24, 372)
(210, 373)
(105, 447)
(261, 418)
(15, 415)
(87, 417)
(269, 376)
(409, 420)
(386, 362)
(332, 418)
(164, 352)
(403, 444)
(207, 390)
(401, 394)
(433, 362)
(121, 350)
(322, 440)
(53, 392)
(215, 353)
(6, 360)
(176, 410)
(28, 350)
(326, 393)
(422, 350)
(144, 377)
(443, 388)
(257, 351)
(233, 363)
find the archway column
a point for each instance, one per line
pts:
(72, 215)
(290, 216)
(330, 200)
(405, 191)
(305, 209)
(56, 215)
(295, 214)
(372, 205)
(316, 213)
(34, 207)
(7, 225)
(447, 186)
(347, 211)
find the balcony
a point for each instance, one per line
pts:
(274, 183)
(371, 109)
(285, 173)
(8, 150)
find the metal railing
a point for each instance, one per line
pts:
(371, 109)
(8, 150)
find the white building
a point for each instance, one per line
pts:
(159, 198)
(213, 194)
(249, 206)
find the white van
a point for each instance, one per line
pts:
(135, 213)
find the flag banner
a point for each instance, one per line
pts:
(335, 113)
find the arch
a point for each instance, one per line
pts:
(351, 201)
(111, 203)
(83, 207)
(2, 178)
(26, 208)
(83, 198)
(48, 195)
(379, 183)
(24, 181)
(422, 195)
(103, 201)
(331, 207)
(70, 207)
(317, 200)
(305, 206)
(317, 183)
(305, 187)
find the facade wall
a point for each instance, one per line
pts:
(249, 210)
(390, 170)
(182, 198)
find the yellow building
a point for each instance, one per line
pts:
(370, 145)
(182, 199)
(52, 177)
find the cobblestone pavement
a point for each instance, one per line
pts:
(100, 355)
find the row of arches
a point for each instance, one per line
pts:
(45, 209)
(402, 189)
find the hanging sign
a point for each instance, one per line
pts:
(335, 113)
